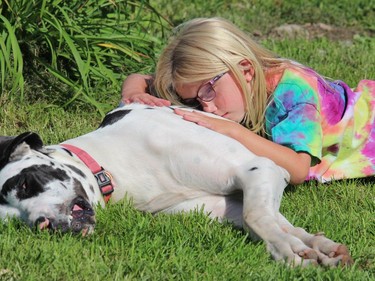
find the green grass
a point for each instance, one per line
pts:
(129, 245)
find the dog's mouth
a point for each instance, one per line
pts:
(81, 219)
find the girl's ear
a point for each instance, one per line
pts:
(247, 70)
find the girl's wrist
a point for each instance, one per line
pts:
(235, 131)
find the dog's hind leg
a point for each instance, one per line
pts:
(224, 208)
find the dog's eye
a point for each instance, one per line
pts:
(24, 189)
(20, 183)
(22, 186)
(30, 186)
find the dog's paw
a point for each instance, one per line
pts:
(294, 252)
(331, 253)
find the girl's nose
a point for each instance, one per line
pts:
(208, 106)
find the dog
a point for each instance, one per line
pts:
(164, 164)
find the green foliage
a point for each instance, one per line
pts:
(75, 47)
(11, 61)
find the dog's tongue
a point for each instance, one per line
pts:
(77, 211)
(76, 208)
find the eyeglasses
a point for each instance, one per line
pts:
(206, 92)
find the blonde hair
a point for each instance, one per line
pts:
(205, 47)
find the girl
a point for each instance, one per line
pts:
(282, 110)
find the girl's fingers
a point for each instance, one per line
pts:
(148, 100)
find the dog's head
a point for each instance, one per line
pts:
(44, 187)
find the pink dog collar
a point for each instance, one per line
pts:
(103, 177)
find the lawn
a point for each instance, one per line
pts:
(65, 100)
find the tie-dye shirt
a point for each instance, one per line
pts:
(327, 120)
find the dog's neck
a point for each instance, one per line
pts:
(103, 177)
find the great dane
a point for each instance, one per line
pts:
(164, 164)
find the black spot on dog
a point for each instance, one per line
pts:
(68, 151)
(2, 200)
(253, 169)
(32, 180)
(9, 144)
(77, 171)
(113, 117)
(79, 190)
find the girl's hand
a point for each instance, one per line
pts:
(148, 99)
(135, 89)
(222, 126)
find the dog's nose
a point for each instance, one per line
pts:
(44, 223)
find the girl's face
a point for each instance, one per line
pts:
(229, 99)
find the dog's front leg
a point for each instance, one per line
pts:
(263, 183)
(329, 252)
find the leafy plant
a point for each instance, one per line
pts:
(74, 47)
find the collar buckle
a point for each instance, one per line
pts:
(104, 180)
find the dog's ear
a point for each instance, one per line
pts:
(10, 147)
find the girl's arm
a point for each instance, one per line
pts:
(297, 164)
(135, 89)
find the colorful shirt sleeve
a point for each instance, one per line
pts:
(293, 118)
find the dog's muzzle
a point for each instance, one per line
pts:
(80, 219)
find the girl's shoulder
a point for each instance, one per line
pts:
(296, 86)
(299, 79)
(299, 74)
(292, 74)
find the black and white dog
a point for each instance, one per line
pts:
(164, 164)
